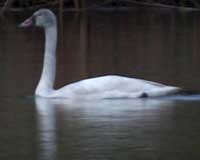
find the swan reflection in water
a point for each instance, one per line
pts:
(46, 122)
(98, 119)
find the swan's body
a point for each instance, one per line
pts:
(111, 86)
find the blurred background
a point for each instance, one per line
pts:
(79, 5)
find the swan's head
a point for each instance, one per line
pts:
(42, 18)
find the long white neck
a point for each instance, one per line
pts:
(45, 85)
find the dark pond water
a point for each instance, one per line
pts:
(153, 44)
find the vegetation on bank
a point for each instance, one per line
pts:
(79, 5)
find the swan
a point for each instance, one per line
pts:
(103, 87)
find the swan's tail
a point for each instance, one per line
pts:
(163, 91)
(168, 90)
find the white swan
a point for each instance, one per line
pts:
(110, 86)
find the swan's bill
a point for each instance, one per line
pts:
(27, 23)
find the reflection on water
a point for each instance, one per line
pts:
(46, 128)
(97, 127)
(108, 129)
(157, 45)
(116, 129)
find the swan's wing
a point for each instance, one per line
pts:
(108, 83)
(152, 83)
(112, 87)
